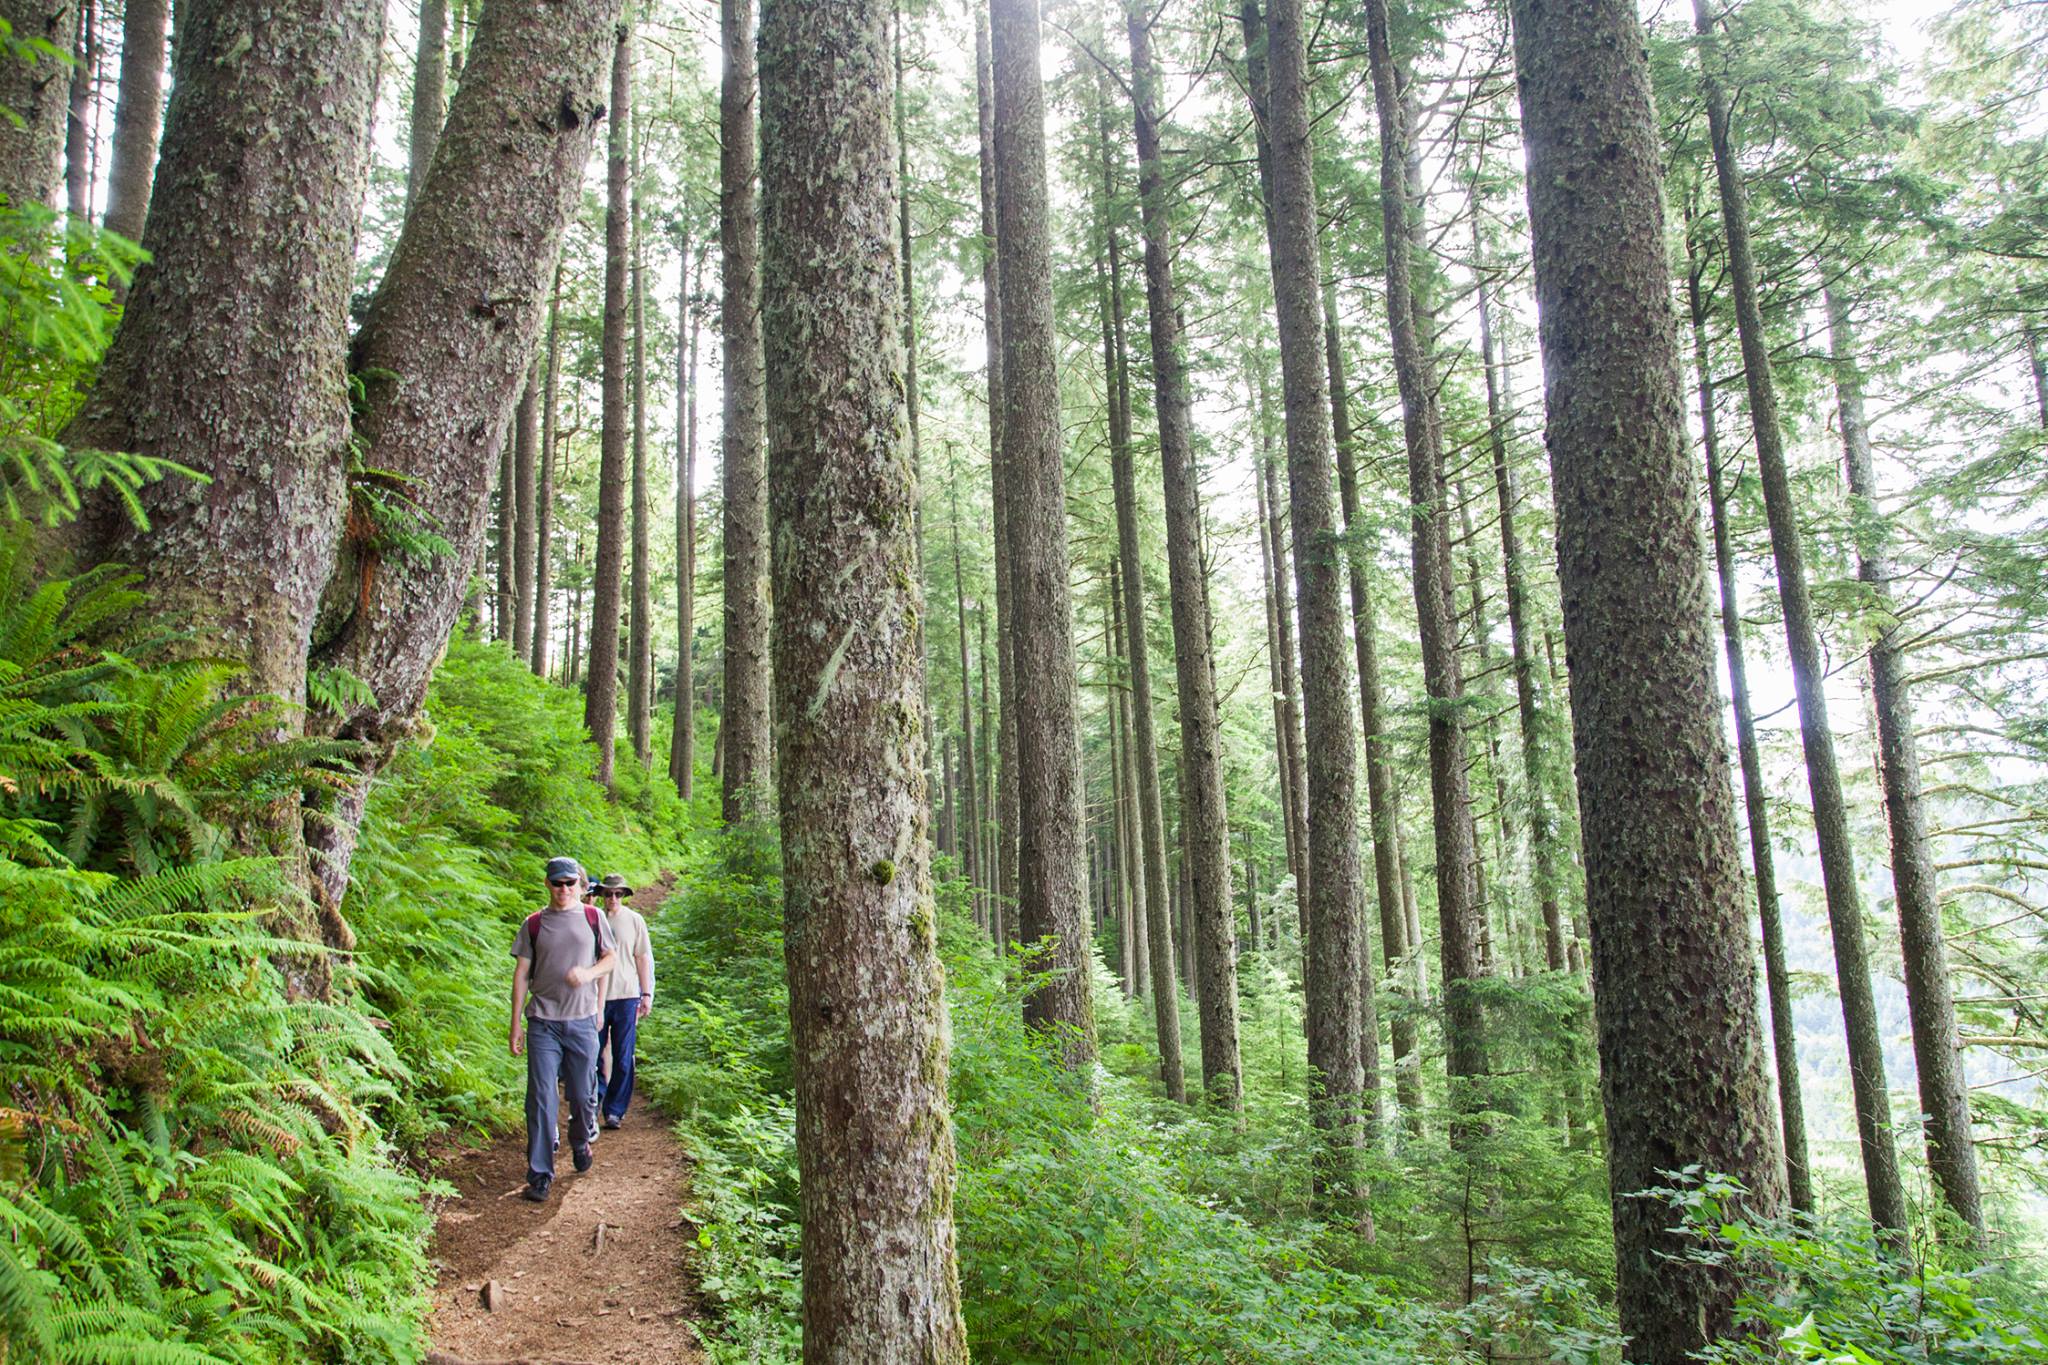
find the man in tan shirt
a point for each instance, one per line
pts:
(628, 997)
(564, 958)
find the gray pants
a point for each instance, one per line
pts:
(563, 1050)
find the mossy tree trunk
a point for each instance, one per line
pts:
(37, 92)
(1051, 876)
(867, 1003)
(1681, 1054)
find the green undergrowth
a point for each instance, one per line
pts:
(192, 1167)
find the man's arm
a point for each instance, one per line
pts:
(645, 961)
(519, 975)
(583, 976)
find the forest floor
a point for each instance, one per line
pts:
(600, 1273)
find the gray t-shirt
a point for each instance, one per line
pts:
(565, 941)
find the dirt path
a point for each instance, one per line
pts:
(562, 1294)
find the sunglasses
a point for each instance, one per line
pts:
(563, 881)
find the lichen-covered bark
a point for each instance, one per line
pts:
(867, 1007)
(1681, 1054)
(1755, 795)
(1204, 815)
(1004, 831)
(38, 93)
(138, 112)
(429, 95)
(1330, 950)
(1051, 879)
(445, 349)
(607, 586)
(640, 608)
(1461, 914)
(1944, 1092)
(1868, 1087)
(743, 734)
(544, 509)
(682, 747)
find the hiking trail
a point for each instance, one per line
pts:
(597, 1274)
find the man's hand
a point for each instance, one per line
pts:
(646, 1004)
(576, 977)
(518, 1038)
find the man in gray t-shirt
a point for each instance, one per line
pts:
(565, 955)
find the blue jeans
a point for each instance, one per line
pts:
(621, 1023)
(563, 1050)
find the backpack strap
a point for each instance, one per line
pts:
(590, 913)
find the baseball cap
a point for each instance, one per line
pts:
(559, 868)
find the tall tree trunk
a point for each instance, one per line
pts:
(1131, 840)
(744, 728)
(78, 132)
(1050, 874)
(1121, 863)
(1130, 575)
(1007, 800)
(1681, 1055)
(1755, 795)
(138, 113)
(1205, 815)
(572, 670)
(913, 402)
(525, 454)
(1802, 636)
(429, 95)
(1287, 686)
(1461, 916)
(1381, 802)
(1330, 955)
(500, 547)
(990, 835)
(682, 745)
(867, 1000)
(971, 788)
(640, 621)
(241, 374)
(601, 697)
(544, 508)
(36, 89)
(1944, 1092)
(441, 373)
(1543, 834)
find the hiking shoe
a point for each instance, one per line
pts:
(581, 1156)
(536, 1191)
(611, 1124)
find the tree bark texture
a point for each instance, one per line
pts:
(682, 746)
(544, 509)
(1286, 678)
(138, 115)
(1944, 1091)
(78, 130)
(1682, 1067)
(1051, 888)
(38, 92)
(429, 95)
(525, 532)
(1203, 811)
(867, 1003)
(607, 590)
(1755, 795)
(1330, 954)
(744, 727)
(1461, 915)
(970, 860)
(640, 608)
(444, 350)
(1802, 637)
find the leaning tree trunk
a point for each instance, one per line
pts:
(1330, 954)
(867, 1001)
(239, 373)
(1461, 916)
(1204, 813)
(1051, 889)
(601, 696)
(682, 746)
(1944, 1092)
(640, 628)
(1681, 1054)
(744, 727)
(445, 347)
(429, 95)
(1869, 1090)
(138, 113)
(1755, 796)
(36, 90)
(544, 510)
